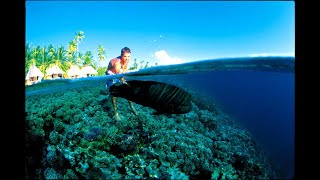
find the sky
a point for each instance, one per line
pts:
(166, 32)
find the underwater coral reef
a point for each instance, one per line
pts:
(70, 134)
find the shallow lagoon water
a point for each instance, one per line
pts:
(257, 92)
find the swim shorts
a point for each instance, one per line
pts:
(110, 82)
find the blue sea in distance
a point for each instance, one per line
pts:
(256, 92)
(263, 102)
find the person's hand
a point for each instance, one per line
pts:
(110, 72)
(122, 79)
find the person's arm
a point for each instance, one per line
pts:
(110, 66)
(110, 72)
(113, 67)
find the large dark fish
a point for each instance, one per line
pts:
(164, 98)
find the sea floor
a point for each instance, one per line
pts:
(70, 133)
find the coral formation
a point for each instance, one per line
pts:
(70, 134)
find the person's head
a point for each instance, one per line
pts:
(125, 54)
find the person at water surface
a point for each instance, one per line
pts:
(119, 65)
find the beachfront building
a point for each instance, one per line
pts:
(54, 72)
(74, 72)
(34, 75)
(88, 71)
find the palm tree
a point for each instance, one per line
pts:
(79, 60)
(61, 58)
(27, 52)
(45, 59)
(146, 65)
(135, 64)
(71, 51)
(141, 64)
(88, 59)
(101, 53)
(35, 55)
(72, 47)
(52, 53)
(28, 57)
(57, 56)
(78, 38)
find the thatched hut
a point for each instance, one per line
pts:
(74, 72)
(54, 72)
(34, 75)
(88, 71)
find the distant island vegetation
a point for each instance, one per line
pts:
(47, 57)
